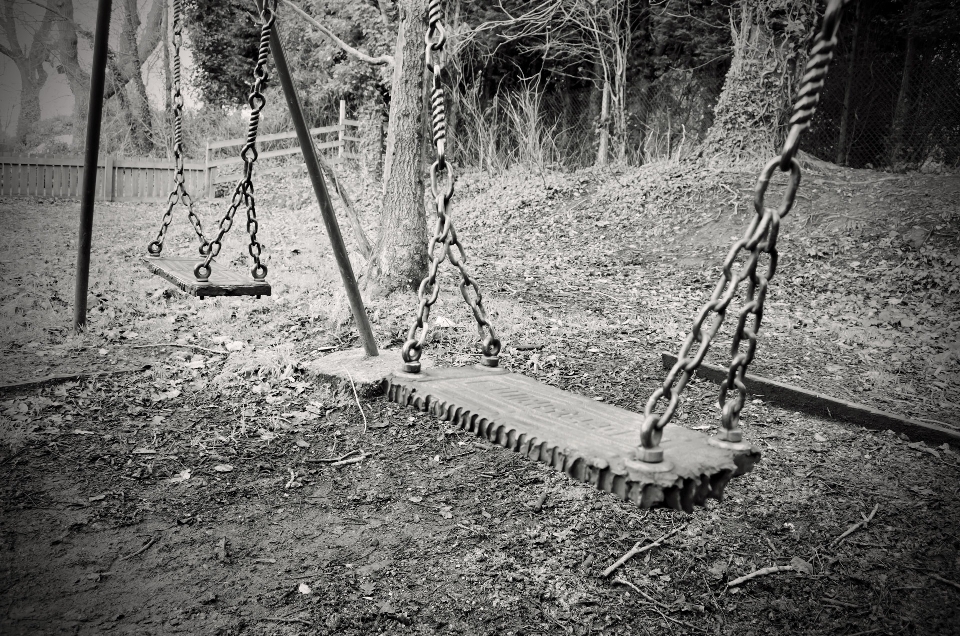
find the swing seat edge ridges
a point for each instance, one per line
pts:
(590, 441)
(179, 271)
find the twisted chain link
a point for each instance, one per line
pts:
(179, 193)
(243, 193)
(444, 243)
(759, 238)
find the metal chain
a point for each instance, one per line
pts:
(444, 239)
(179, 193)
(243, 193)
(760, 237)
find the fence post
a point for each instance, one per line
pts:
(108, 193)
(342, 132)
(206, 168)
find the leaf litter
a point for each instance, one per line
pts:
(859, 310)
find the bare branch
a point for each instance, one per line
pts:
(386, 60)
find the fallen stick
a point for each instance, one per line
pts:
(636, 549)
(657, 604)
(537, 507)
(352, 460)
(141, 550)
(68, 377)
(182, 346)
(943, 580)
(857, 526)
(328, 460)
(773, 569)
(357, 398)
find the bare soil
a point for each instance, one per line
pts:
(198, 496)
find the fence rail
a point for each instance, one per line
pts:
(151, 180)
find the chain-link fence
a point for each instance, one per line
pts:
(887, 106)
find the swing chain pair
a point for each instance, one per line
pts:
(244, 192)
(179, 193)
(759, 238)
(444, 243)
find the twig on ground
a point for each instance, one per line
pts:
(773, 569)
(141, 550)
(657, 604)
(352, 460)
(280, 619)
(357, 398)
(537, 507)
(68, 377)
(937, 577)
(857, 526)
(636, 549)
(182, 346)
(328, 460)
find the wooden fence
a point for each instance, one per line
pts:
(151, 180)
(340, 143)
(118, 179)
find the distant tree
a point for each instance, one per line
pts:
(37, 20)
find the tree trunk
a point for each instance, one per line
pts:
(400, 255)
(842, 141)
(902, 108)
(29, 62)
(140, 117)
(32, 79)
(604, 147)
(754, 104)
(77, 78)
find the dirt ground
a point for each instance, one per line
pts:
(201, 495)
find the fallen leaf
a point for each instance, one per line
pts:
(180, 477)
(223, 468)
(800, 565)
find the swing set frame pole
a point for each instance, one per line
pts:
(91, 154)
(323, 196)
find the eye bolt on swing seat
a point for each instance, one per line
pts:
(593, 442)
(199, 278)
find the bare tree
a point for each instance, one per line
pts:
(580, 38)
(28, 59)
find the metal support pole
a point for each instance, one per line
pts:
(91, 151)
(323, 197)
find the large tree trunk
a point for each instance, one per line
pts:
(29, 62)
(400, 255)
(754, 104)
(77, 77)
(32, 79)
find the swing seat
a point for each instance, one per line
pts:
(590, 441)
(179, 271)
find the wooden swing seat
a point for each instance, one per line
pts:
(590, 441)
(179, 271)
